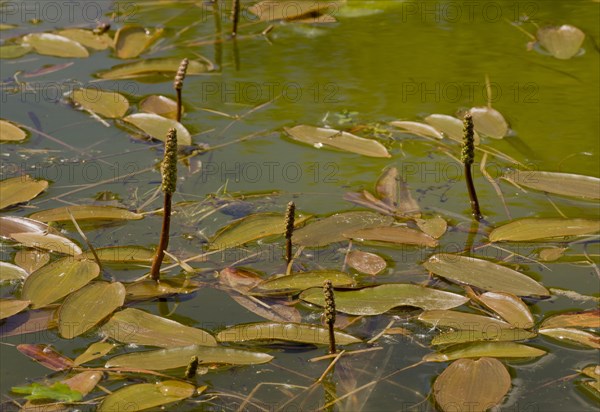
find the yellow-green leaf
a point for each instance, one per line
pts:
(573, 336)
(85, 308)
(484, 349)
(531, 229)
(150, 67)
(88, 38)
(510, 307)
(566, 184)
(123, 254)
(160, 105)
(10, 132)
(297, 282)
(462, 321)
(94, 351)
(366, 262)
(17, 224)
(48, 241)
(20, 189)
(397, 235)
(563, 42)
(54, 45)
(587, 319)
(450, 126)
(9, 272)
(495, 335)
(85, 212)
(31, 259)
(12, 51)
(57, 280)
(9, 307)
(489, 122)
(434, 227)
(157, 127)
(103, 102)
(144, 396)
(418, 129)
(132, 40)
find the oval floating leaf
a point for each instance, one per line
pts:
(132, 40)
(94, 351)
(289, 332)
(83, 309)
(17, 224)
(566, 184)
(9, 307)
(149, 288)
(122, 254)
(57, 280)
(291, 10)
(483, 274)
(103, 102)
(297, 282)
(150, 67)
(379, 299)
(333, 228)
(251, 228)
(434, 227)
(418, 129)
(142, 328)
(9, 272)
(366, 262)
(396, 235)
(588, 319)
(573, 336)
(143, 396)
(450, 126)
(485, 349)
(10, 132)
(157, 127)
(12, 51)
(54, 45)
(160, 105)
(529, 229)
(20, 189)
(173, 358)
(88, 38)
(489, 122)
(499, 335)
(31, 259)
(551, 254)
(462, 321)
(510, 307)
(48, 241)
(320, 136)
(562, 42)
(85, 212)
(473, 385)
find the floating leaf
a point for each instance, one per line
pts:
(103, 102)
(123, 254)
(160, 105)
(94, 351)
(157, 127)
(397, 235)
(333, 228)
(473, 385)
(529, 229)
(565, 184)
(510, 307)
(132, 40)
(485, 349)
(57, 391)
(54, 45)
(142, 328)
(48, 241)
(83, 309)
(291, 10)
(289, 332)
(418, 129)
(57, 280)
(588, 319)
(320, 136)
(31, 259)
(12, 51)
(84, 382)
(149, 288)
(9, 307)
(17, 224)
(462, 321)
(393, 191)
(9, 272)
(46, 356)
(146, 395)
(483, 274)
(379, 299)
(20, 189)
(366, 262)
(592, 371)
(551, 254)
(10, 132)
(450, 126)
(85, 212)
(573, 335)
(88, 38)
(173, 358)
(251, 228)
(495, 335)
(434, 227)
(297, 282)
(30, 321)
(562, 42)
(489, 122)
(149, 67)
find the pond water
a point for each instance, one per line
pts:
(381, 61)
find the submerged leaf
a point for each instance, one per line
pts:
(85, 212)
(291, 332)
(157, 127)
(419, 129)
(173, 358)
(472, 385)
(297, 282)
(562, 42)
(142, 396)
(379, 299)
(489, 122)
(54, 45)
(10, 132)
(83, 309)
(58, 279)
(103, 102)
(566, 184)
(20, 189)
(320, 136)
(132, 40)
(366, 262)
(485, 349)
(530, 229)
(149, 67)
(141, 328)
(483, 274)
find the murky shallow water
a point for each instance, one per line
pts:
(405, 62)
